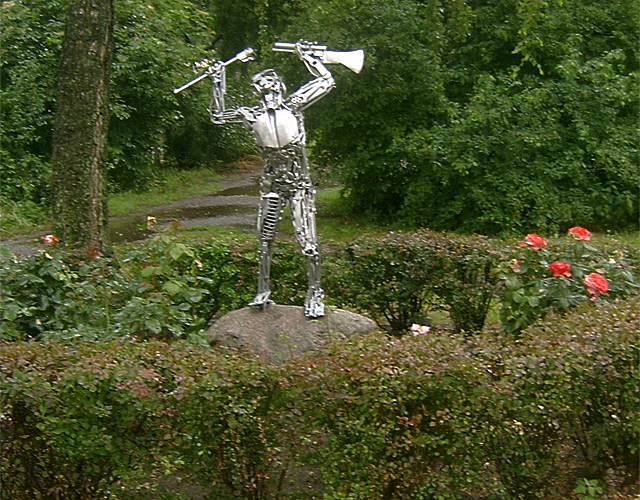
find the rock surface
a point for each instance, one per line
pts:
(281, 332)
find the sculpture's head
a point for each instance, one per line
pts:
(269, 88)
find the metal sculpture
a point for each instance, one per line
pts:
(278, 127)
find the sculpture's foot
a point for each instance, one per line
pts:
(262, 300)
(313, 304)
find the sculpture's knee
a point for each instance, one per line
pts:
(310, 250)
(269, 216)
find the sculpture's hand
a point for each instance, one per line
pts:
(215, 69)
(303, 47)
(245, 55)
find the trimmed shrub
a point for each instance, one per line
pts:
(230, 422)
(428, 417)
(398, 277)
(443, 417)
(573, 378)
(82, 419)
(398, 417)
(77, 418)
(594, 355)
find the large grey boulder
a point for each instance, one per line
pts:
(280, 332)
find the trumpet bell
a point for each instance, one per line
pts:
(354, 60)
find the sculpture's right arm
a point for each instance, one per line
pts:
(217, 111)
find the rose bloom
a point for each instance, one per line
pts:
(417, 329)
(49, 239)
(596, 283)
(580, 232)
(560, 268)
(534, 241)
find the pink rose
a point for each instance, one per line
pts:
(417, 329)
(560, 268)
(595, 283)
(534, 241)
(580, 232)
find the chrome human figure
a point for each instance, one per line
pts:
(278, 127)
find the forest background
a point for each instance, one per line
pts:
(499, 117)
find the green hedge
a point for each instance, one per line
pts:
(429, 417)
(435, 417)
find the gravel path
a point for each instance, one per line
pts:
(233, 204)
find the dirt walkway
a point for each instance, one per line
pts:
(233, 202)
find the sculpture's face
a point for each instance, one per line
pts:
(269, 88)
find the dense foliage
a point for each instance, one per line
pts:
(164, 289)
(473, 116)
(434, 416)
(489, 117)
(401, 277)
(155, 44)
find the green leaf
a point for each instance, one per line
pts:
(153, 325)
(172, 288)
(149, 271)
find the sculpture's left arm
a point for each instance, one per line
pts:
(317, 88)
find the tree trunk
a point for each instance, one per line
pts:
(81, 125)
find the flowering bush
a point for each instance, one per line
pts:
(560, 275)
(153, 291)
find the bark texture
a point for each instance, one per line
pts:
(81, 125)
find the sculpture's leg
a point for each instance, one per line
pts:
(269, 212)
(304, 223)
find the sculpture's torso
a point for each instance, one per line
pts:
(277, 128)
(281, 137)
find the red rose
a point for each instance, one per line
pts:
(50, 239)
(596, 283)
(534, 241)
(580, 232)
(560, 268)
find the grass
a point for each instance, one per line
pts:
(335, 223)
(333, 220)
(173, 185)
(18, 218)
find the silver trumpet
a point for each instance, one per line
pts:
(353, 60)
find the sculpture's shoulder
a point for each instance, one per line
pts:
(250, 114)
